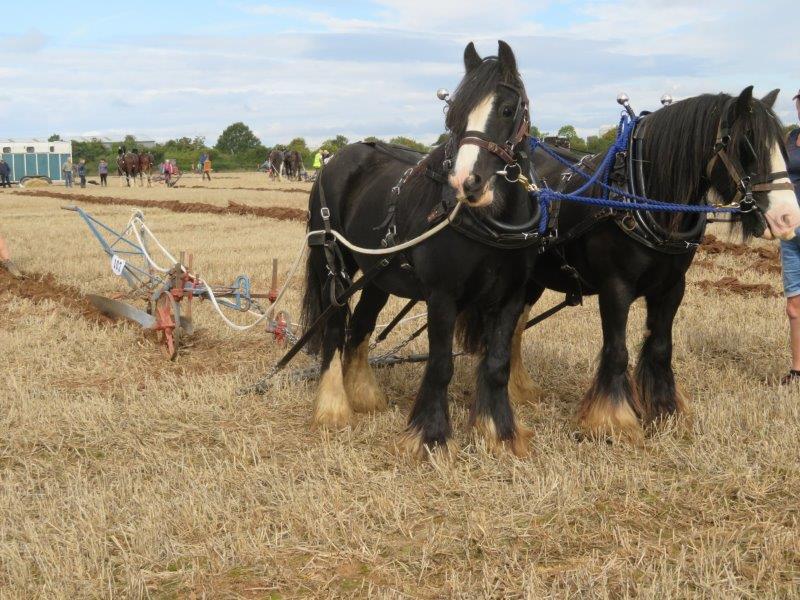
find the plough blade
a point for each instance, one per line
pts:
(115, 308)
(187, 325)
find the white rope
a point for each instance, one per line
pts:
(393, 249)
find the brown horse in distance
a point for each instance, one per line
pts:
(128, 165)
(145, 168)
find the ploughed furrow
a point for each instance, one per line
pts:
(281, 213)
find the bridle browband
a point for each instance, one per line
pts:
(746, 184)
(505, 150)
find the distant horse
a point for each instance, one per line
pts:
(276, 164)
(128, 165)
(293, 163)
(706, 149)
(145, 168)
(371, 195)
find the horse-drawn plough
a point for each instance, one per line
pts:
(168, 293)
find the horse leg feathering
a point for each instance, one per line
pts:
(611, 407)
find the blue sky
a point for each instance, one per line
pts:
(315, 69)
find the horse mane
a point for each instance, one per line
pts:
(686, 131)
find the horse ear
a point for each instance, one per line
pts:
(744, 103)
(506, 56)
(471, 57)
(769, 99)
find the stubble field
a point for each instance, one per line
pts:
(125, 475)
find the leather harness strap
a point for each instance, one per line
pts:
(495, 149)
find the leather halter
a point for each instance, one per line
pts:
(504, 151)
(746, 184)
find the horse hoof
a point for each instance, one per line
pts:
(362, 388)
(331, 408)
(602, 418)
(517, 445)
(410, 443)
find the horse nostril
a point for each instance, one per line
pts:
(787, 220)
(472, 183)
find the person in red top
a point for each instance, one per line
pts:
(168, 170)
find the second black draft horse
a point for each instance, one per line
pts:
(488, 122)
(706, 149)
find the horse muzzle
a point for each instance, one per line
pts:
(474, 190)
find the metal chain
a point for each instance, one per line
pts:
(302, 374)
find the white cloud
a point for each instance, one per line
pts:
(377, 77)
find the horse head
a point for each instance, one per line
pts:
(488, 120)
(756, 165)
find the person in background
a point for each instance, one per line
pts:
(318, 160)
(82, 172)
(168, 169)
(102, 170)
(5, 171)
(5, 260)
(207, 168)
(790, 256)
(201, 163)
(66, 170)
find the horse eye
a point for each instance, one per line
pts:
(507, 111)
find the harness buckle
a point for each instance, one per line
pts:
(325, 212)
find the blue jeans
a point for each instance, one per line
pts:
(790, 262)
(68, 179)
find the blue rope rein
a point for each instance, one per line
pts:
(600, 178)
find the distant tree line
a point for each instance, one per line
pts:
(238, 148)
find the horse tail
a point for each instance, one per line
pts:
(469, 330)
(314, 288)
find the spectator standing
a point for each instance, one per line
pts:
(207, 168)
(102, 170)
(66, 170)
(790, 256)
(5, 171)
(82, 172)
(168, 170)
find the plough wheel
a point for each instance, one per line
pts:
(168, 318)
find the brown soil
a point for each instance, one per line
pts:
(282, 213)
(251, 189)
(768, 266)
(732, 285)
(713, 245)
(39, 287)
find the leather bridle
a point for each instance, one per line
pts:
(746, 184)
(504, 150)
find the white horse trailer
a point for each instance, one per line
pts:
(35, 158)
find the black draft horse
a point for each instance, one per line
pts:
(128, 165)
(293, 165)
(698, 150)
(276, 166)
(450, 271)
